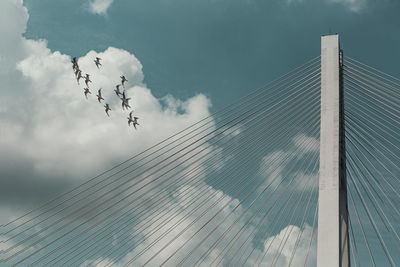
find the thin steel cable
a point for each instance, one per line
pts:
(395, 86)
(381, 241)
(373, 165)
(170, 228)
(178, 178)
(229, 246)
(303, 223)
(171, 255)
(275, 219)
(231, 126)
(360, 223)
(363, 64)
(376, 122)
(222, 197)
(357, 257)
(376, 82)
(388, 107)
(276, 224)
(310, 62)
(379, 186)
(370, 88)
(227, 230)
(312, 234)
(279, 251)
(364, 180)
(368, 103)
(380, 212)
(363, 134)
(167, 164)
(112, 181)
(377, 182)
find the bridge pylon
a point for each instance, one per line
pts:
(332, 248)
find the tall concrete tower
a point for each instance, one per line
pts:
(333, 249)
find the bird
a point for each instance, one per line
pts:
(134, 123)
(75, 67)
(125, 101)
(130, 119)
(87, 80)
(123, 80)
(77, 70)
(97, 62)
(107, 109)
(79, 75)
(86, 92)
(99, 97)
(117, 91)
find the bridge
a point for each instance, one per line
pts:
(303, 171)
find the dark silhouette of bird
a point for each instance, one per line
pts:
(87, 80)
(123, 80)
(86, 92)
(99, 97)
(134, 123)
(130, 119)
(75, 67)
(79, 75)
(107, 109)
(77, 70)
(125, 101)
(97, 62)
(117, 91)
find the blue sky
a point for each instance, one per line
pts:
(216, 47)
(183, 59)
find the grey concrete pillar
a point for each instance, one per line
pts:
(332, 209)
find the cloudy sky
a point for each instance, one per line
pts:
(183, 60)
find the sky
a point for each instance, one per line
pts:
(183, 60)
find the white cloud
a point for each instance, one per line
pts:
(275, 162)
(48, 127)
(284, 243)
(99, 6)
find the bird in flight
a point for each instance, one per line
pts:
(78, 75)
(107, 109)
(99, 97)
(134, 123)
(117, 91)
(123, 80)
(87, 80)
(125, 101)
(130, 119)
(86, 92)
(97, 62)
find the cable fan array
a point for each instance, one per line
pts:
(236, 188)
(372, 133)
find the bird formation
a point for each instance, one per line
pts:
(121, 95)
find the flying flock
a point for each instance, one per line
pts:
(121, 95)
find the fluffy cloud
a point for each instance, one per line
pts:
(99, 6)
(274, 164)
(50, 132)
